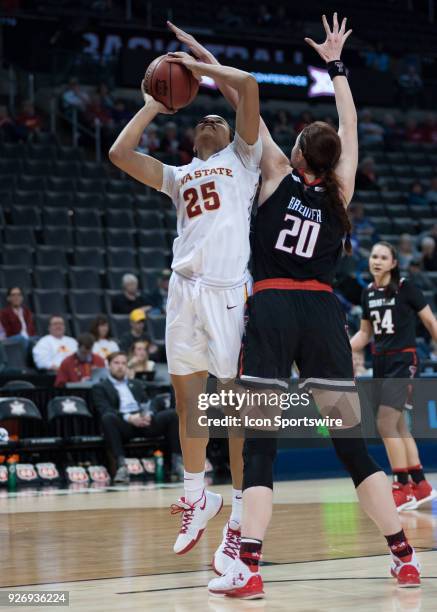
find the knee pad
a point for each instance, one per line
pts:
(354, 455)
(259, 455)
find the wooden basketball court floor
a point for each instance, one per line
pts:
(113, 551)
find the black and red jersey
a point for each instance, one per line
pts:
(296, 233)
(393, 318)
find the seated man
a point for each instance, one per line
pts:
(78, 367)
(126, 413)
(51, 350)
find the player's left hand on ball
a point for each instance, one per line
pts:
(331, 49)
(194, 46)
(187, 60)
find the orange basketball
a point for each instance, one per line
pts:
(170, 83)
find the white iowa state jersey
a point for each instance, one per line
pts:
(213, 199)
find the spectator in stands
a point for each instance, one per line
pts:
(131, 298)
(101, 332)
(95, 110)
(75, 96)
(430, 128)
(377, 58)
(406, 251)
(137, 320)
(186, 148)
(359, 364)
(411, 87)
(79, 366)
(17, 319)
(431, 194)
(106, 99)
(126, 412)
(413, 132)
(138, 359)
(394, 132)
(51, 350)
(418, 277)
(29, 121)
(362, 227)
(370, 132)
(366, 178)
(429, 254)
(283, 128)
(150, 141)
(170, 141)
(8, 127)
(416, 196)
(120, 114)
(305, 119)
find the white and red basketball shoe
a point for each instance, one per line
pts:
(423, 492)
(194, 519)
(403, 496)
(406, 570)
(228, 550)
(239, 582)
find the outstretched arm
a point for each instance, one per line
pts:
(273, 159)
(330, 51)
(122, 154)
(363, 336)
(246, 86)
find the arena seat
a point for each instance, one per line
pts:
(89, 257)
(84, 278)
(13, 255)
(51, 256)
(65, 169)
(85, 302)
(120, 238)
(58, 199)
(85, 217)
(56, 217)
(49, 301)
(49, 277)
(26, 216)
(121, 258)
(14, 276)
(119, 219)
(87, 237)
(52, 236)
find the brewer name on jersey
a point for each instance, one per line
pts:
(197, 174)
(314, 214)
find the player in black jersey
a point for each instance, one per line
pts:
(293, 315)
(390, 305)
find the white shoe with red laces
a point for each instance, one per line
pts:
(228, 550)
(239, 582)
(194, 519)
(406, 570)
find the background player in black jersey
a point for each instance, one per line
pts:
(294, 315)
(390, 305)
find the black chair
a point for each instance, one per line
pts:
(66, 153)
(152, 239)
(84, 217)
(10, 166)
(18, 408)
(85, 237)
(69, 417)
(56, 217)
(85, 302)
(145, 203)
(150, 220)
(24, 197)
(19, 236)
(82, 323)
(49, 277)
(120, 238)
(93, 170)
(14, 276)
(58, 199)
(117, 186)
(12, 150)
(120, 201)
(67, 405)
(37, 167)
(121, 258)
(90, 185)
(89, 257)
(16, 385)
(66, 169)
(119, 219)
(119, 324)
(53, 236)
(17, 256)
(89, 200)
(156, 327)
(26, 216)
(29, 182)
(51, 256)
(84, 278)
(41, 151)
(15, 353)
(49, 302)
(66, 185)
(153, 258)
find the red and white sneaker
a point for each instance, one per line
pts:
(239, 582)
(194, 519)
(423, 492)
(228, 550)
(403, 496)
(406, 570)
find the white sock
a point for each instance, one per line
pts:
(193, 486)
(237, 509)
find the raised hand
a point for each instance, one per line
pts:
(198, 50)
(187, 60)
(149, 101)
(331, 49)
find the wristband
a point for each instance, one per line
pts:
(336, 68)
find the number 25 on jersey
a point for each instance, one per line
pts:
(200, 199)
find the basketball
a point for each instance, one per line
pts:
(171, 84)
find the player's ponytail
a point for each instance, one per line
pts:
(321, 148)
(395, 274)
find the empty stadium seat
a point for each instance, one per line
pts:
(121, 258)
(152, 239)
(49, 301)
(51, 256)
(66, 153)
(87, 217)
(49, 277)
(16, 276)
(37, 167)
(55, 183)
(82, 323)
(53, 236)
(59, 217)
(29, 182)
(153, 258)
(86, 302)
(17, 256)
(19, 235)
(118, 186)
(89, 257)
(12, 150)
(119, 219)
(26, 216)
(27, 197)
(58, 199)
(90, 185)
(119, 325)
(115, 200)
(156, 327)
(66, 169)
(89, 200)
(120, 238)
(85, 237)
(93, 170)
(84, 278)
(41, 151)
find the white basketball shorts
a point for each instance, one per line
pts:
(204, 327)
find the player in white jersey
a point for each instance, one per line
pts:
(213, 197)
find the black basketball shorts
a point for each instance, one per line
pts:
(306, 327)
(393, 372)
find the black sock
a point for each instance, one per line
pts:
(416, 473)
(250, 553)
(398, 544)
(401, 476)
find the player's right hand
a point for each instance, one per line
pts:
(198, 50)
(150, 101)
